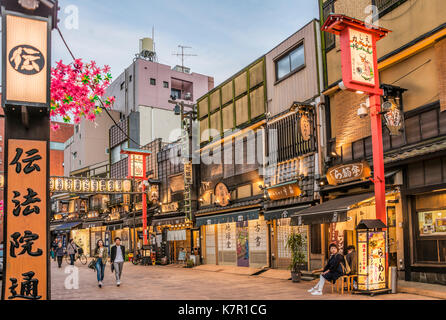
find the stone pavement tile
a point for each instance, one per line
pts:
(160, 282)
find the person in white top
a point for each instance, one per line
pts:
(117, 259)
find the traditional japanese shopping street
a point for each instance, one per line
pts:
(178, 283)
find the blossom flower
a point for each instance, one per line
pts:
(77, 89)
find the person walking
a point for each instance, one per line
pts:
(71, 250)
(60, 252)
(54, 247)
(101, 255)
(331, 272)
(117, 255)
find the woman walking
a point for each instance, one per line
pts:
(60, 252)
(101, 256)
(71, 250)
(331, 272)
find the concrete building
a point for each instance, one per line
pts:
(142, 92)
(88, 146)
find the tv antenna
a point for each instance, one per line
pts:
(182, 55)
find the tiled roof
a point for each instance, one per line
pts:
(415, 151)
(233, 206)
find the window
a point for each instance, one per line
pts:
(153, 81)
(330, 39)
(291, 62)
(130, 78)
(385, 6)
(165, 84)
(432, 222)
(122, 85)
(1, 138)
(175, 93)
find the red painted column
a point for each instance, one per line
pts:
(144, 214)
(378, 158)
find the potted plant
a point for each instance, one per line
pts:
(296, 244)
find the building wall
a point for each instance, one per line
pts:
(90, 142)
(158, 123)
(302, 85)
(59, 137)
(406, 22)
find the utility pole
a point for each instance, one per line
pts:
(182, 55)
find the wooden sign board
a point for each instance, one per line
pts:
(26, 70)
(348, 172)
(26, 221)
(222, 194)
(284, 192)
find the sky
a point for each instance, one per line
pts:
(226, 35)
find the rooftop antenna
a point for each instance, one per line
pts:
(182, 55)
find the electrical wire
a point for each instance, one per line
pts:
(100, 100)
(412, 71)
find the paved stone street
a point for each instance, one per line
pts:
(167, 282)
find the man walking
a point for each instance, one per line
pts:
(117, 259)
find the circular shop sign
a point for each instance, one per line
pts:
(26, 59)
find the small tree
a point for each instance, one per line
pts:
(296, 244)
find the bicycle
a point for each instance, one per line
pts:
(78, 256)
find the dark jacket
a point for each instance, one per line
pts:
(334, 265)
(113, 253)
(60, 252)
(351, 259)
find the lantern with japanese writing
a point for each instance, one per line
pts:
(371, 242)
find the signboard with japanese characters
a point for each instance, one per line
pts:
(136, 166)
(222, 194)
(285, 191)
(86, 185)
(361, 52)
(26, 72)
(257, 232)
(371, 260)
(26, 221)
(348, 172)
(227, 237)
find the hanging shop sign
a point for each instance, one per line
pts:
(393, 118)
(188, 180)
(285, 191)
(305, 127)
(26, 50)
(222, 195)
(154, 193)
(358, 52)
(169, 207)
(348, 172)
(67, 184)
(27, 222)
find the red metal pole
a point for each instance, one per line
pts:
(144, 214)
(144, 200)
(378, 158)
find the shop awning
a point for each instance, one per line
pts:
(67, 226)
(54, 227)
(92, 224)
(331, 211)
(283, 213)
(228, 217)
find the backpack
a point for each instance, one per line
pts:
(345, 266)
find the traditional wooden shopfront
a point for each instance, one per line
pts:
(235, 238)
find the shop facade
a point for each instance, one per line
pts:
(236, 238)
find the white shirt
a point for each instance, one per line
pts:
(119, 257)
